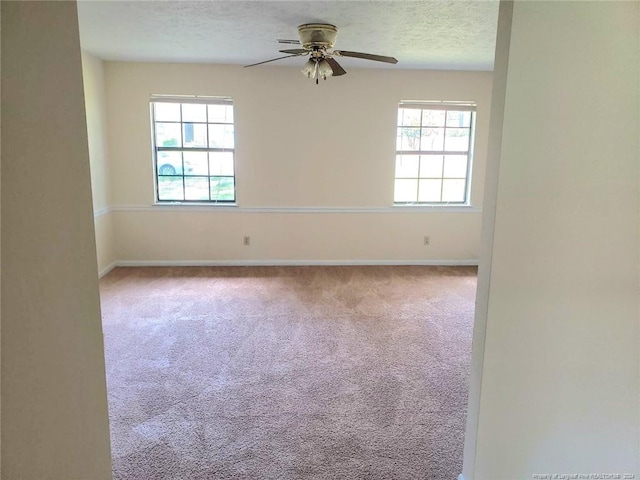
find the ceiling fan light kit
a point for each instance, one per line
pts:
(317, 41)
(317, 68)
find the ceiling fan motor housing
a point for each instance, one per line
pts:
(317, 35)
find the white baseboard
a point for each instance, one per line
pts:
(107, 269)
(256, 263)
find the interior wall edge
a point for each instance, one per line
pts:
(494, 150)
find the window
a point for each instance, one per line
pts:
(193, 149)
(433, 153)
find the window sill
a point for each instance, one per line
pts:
(195, 205)
(436, 207)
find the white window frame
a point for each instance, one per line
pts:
(190, 99)
(446, 106)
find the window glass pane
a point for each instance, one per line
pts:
(405, 191)
(453, 190)
(166, 112)
(221, 163)
(430, 166)
(409, 117)
(221, 136)
(432, 139)
(442, 173)
(168, 135)
(407, 166)
(220, 113)
(433, 118)
(196, 188)
(457, 139)
(198, 175)
(455, 166)
(169, 163)
(195, 163)
(194, 112)
(458, 119)
(429, 190)
(170, 188)
(408, 138)
(195, 134)
(222, 188)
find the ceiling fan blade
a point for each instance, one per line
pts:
(366, 56)
(295, 51)
(290, 42)
(335, 66)
(272, 60)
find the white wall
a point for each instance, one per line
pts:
(496, 125)
(559, 383)
(54, 408)
(95, 106)
(299, 148)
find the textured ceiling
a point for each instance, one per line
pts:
(445, 34)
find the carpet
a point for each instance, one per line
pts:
(288, 372)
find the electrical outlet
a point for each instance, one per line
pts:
(246, 241)
(426, 240)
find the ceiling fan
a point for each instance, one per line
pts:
(317, 40)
